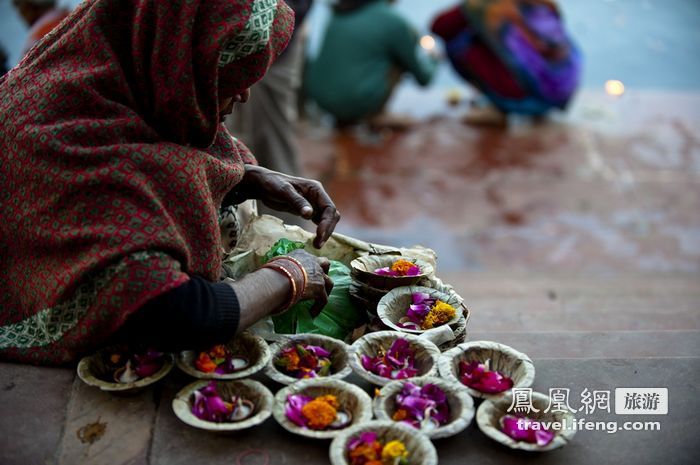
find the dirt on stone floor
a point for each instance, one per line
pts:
(610, 186)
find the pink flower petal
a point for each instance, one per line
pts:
(144, 369)
(318, 351)
(475, 376)
(428, 402)
(413, 271)
(543, 437)
(386, 271)
(199, 406)
(419, 297)
(294, 415)
(533, 435)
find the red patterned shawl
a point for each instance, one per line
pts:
(113, 162)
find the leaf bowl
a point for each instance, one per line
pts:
(426, 354)
(491, 411)
(254, 391)
(351, 399)
(421, 450)
(508, 361)
(245, 344)
(461, 405)
(338, 349)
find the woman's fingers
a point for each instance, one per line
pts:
(325, 264)
(328, 284)
(299, 204)
(319, 284)
(326, 225)
(320, 302)
(325, 214)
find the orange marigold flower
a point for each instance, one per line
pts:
(330, 400)
(292, 360)
(439, 314)
(204, 363)
(319, 413)
(218, 351)
(366, 453)
(402, 266)
(400, 415)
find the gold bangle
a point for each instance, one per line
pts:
(288, 274)
(303, 271)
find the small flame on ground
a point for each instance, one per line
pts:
(614, 88)
(427, 42)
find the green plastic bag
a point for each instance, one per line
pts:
(282, 247)
(337, 319)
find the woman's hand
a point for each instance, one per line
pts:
(318, 285)
(304, 197)
(265, 291)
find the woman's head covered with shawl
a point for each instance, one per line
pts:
(169, 60)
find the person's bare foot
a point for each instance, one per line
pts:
(485, 116)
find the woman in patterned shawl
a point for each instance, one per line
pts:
(516, 52)
(114, 166)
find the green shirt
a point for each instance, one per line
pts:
(361, 53)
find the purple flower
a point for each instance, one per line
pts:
(400, 353)
(199, 406)
(413, 271)
(386, 271)
(147, 369)
(416, 313)
(397, 363)
(318, 351)
(419, 297)
(532, 431)
(477, 376)
(292, 409)
(422, 406)
(209, 406)
(367, 437)
(209, 390)
(148, 363)
(416, 406)
(399, 268)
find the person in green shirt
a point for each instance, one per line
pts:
(367, 46)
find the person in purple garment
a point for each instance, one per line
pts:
(515, 52)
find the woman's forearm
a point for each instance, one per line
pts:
(259, 294)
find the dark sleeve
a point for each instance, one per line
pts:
(408, 54)
(196, 314)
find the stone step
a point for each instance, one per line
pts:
(562, 303)
(597, 344)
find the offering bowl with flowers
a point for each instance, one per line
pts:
(523, 428)
(389, 271)
(382, 442)
(320, 408)
(305, 356)
(242, 356)
(438, 408)
(417, 309)
(488, 370)
(120, 369)
(385, 356)
(223, 406)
